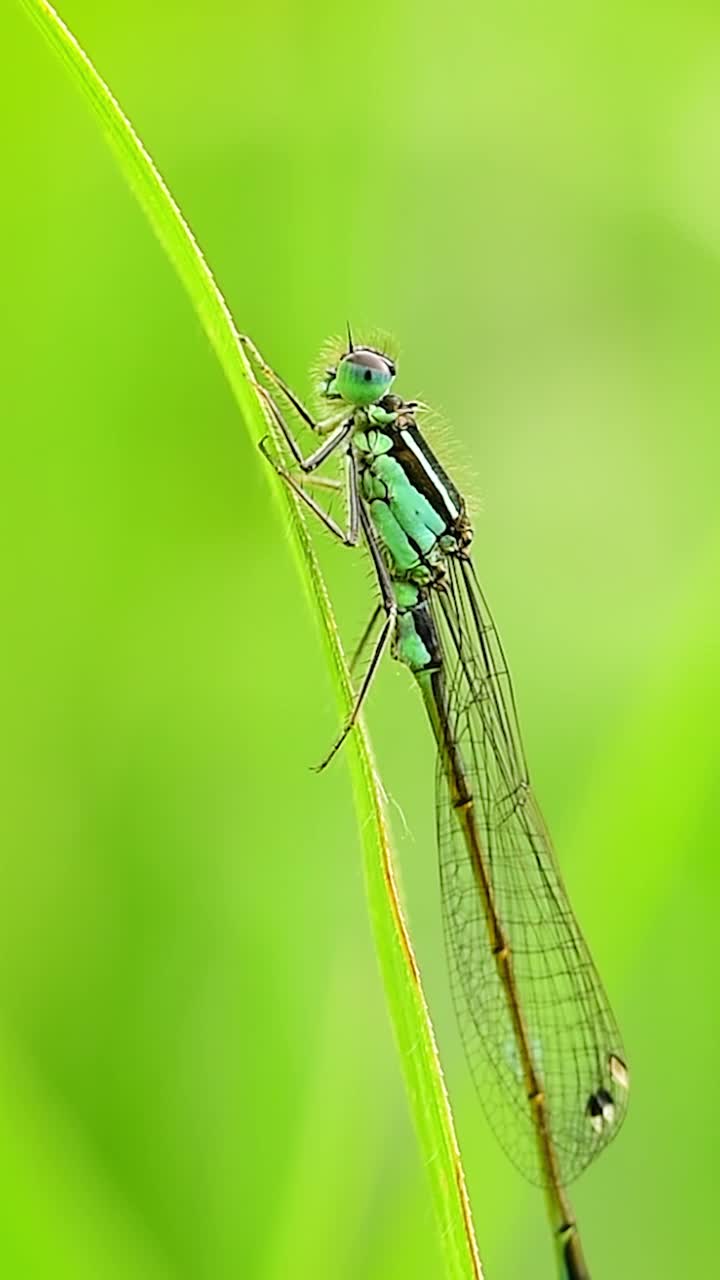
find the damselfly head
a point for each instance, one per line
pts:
(361, 377)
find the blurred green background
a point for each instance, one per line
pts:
(197, 1075)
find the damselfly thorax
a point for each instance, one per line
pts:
(416, 510)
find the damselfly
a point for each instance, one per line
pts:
(543, 1045)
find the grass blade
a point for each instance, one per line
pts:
(406, 1002)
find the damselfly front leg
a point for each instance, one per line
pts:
(321, 427)
(257, 359)
(338, 429)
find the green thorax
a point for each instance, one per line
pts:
(414, 508)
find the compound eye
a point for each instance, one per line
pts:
(363, 375)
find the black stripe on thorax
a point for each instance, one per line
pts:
(436, 494)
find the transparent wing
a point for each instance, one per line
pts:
(574, 1040)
